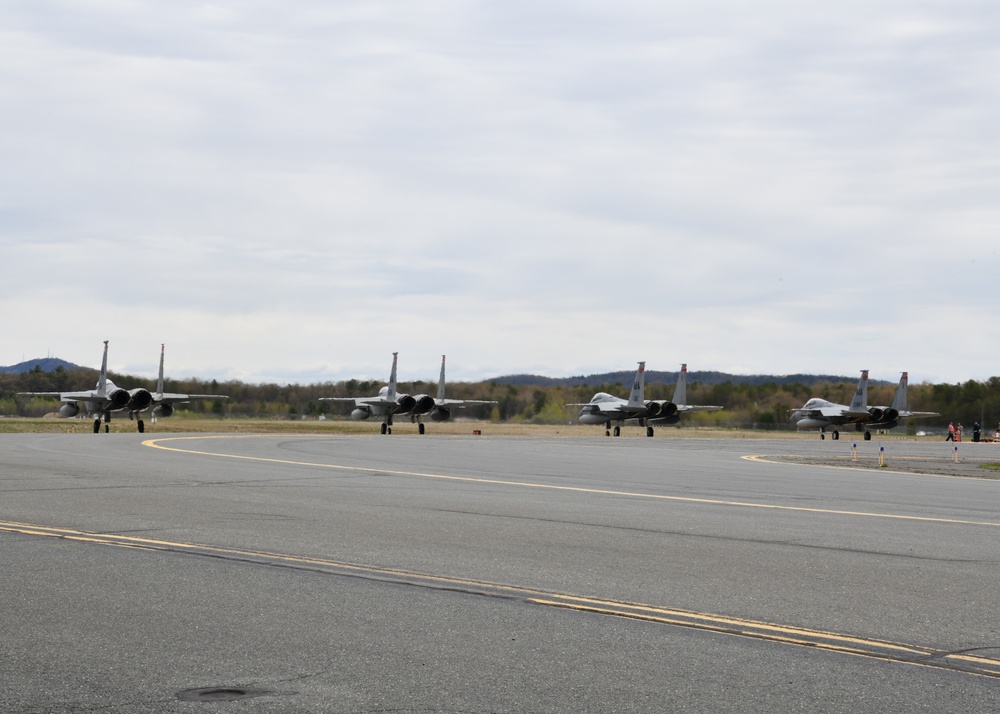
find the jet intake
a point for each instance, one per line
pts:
(440, 414)
(139, 399)
(422, 404)
(361, 413)
(405, 402)
(163, 410)
(70, 409)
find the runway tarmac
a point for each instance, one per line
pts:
(150, 573)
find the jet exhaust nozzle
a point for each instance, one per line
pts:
(667, 409)
(139, 399)
(653, 409)
(422, 404)
(876, 414)
(406, 402)
(119, 398)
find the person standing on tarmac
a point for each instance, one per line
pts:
(951, 432)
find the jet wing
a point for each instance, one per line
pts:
(911, 415)
(358, 401)
(89, 396)
(697, 408)
(177, 398)
(464, 402)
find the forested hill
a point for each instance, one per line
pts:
(655, 377)
(45, 364)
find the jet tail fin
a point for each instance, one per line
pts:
(637, 398)
(440, 394)
(860, 401)
(159, 380)
(391, 393)
(899, 400)
(680, 391)
(102, 380)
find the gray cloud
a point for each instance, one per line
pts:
(566, 187)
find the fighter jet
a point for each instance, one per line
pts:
(821, 414)
(387, 403)
(103, 400)
(439, 409)
(163, 402)
(670, 412)
(604, 408)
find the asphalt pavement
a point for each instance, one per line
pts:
(149, 573)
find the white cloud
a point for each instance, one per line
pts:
(294, 192)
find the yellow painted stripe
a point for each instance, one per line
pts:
(722, 624)
(157, 444)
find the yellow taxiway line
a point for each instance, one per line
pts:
(885, 650)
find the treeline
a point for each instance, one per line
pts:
(758, 405)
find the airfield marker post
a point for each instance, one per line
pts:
(956, 454)
(881, 456)
(854, 450)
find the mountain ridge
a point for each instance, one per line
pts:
(50, 364)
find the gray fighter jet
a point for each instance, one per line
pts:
(103, 400)
(604, 408)
(821, 414)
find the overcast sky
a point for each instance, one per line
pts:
(292, 191)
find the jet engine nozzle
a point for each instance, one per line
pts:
(876, 414)
(405, 402)
(119, 398)
(422, 404)
(890, 414)
(667, 409)
(139, 399)
(653, 409)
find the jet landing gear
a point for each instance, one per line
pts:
(649, 431)
(107, 423)
(607, 429)
(138, 422)
(834, 435)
